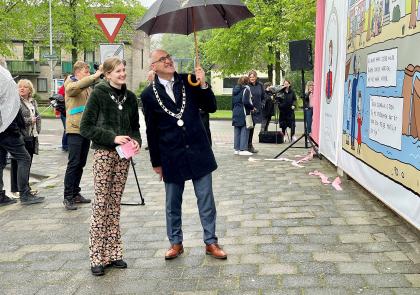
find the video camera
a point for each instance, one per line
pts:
(57, 102)
(96, 67)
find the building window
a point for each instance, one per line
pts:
(28, 51)
(230, 82)
(89, 56)
(41, 85)
(142, 59)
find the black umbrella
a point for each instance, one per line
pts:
(189, 16)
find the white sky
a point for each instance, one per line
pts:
(146, 3)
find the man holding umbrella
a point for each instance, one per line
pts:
(179, 147)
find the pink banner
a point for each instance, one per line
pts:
(319, 53)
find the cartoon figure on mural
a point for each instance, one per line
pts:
(359, 121)
(355, 82)
(329, 78)
(411, 107)
(377, 18)
(414, 17)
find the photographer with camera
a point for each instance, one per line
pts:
(267, 106)
(59, 104)
(77, 91)
(286, 100)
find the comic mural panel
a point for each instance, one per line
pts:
(381, 110)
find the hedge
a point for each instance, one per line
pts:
(224, 102)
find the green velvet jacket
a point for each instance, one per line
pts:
(102, 120)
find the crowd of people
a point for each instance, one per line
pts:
(105, 117)
(251, 98)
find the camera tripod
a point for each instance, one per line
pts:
(138, 186)
(308, 140)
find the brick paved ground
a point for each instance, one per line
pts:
(285, 234)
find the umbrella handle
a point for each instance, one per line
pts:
(197, 60)
(191, 82)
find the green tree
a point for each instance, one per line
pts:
(17, 21)
(261, 42)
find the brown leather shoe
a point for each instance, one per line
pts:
(215, 251)
(174, 251)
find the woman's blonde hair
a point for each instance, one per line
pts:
(28, 83)
(243, 80)
(110, 64)
(253, 73)
(308, 84)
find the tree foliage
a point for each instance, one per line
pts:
(17, 22)
(75, 27)
(253, 43)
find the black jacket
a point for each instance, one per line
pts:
(16, 127)
(183, 152)
(241, 104)
(102, 121)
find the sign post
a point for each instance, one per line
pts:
(110, 24)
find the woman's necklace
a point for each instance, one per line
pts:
(119, 103)
(178, 116)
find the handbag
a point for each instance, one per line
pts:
(30, 142)
(249, 122)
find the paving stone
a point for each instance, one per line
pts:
(357, 268)
(397, 267)
(357, 238)
(387, 280)
(239, 270)
(258, 282)
(303, 230)
(218, 284)
(325, 291)
(406, 291)
(300, 281)
(317, 268)
(278, 268)
(329, 256)
(396, 256)
(347, 281)
(414, 279)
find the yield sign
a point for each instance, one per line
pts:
(110, 24)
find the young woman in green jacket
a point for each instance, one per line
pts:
(110, 119)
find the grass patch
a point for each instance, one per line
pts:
(46, 112)
(227, 115)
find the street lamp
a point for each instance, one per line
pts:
(51, 57)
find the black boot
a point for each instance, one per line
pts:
(69, 204)
(252, 150)
(80, 199)
(118, 264)
(28, 199)
(98, 270)
(5, 200)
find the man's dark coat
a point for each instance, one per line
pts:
(183, 152)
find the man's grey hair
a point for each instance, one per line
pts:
(3, 62)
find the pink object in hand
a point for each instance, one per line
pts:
(127, 150)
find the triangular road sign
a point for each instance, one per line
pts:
(110, 24)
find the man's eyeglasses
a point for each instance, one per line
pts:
(163, 59)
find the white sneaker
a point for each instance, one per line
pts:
(245, 153)
(15, 195)
(294, 138)
(236, 152)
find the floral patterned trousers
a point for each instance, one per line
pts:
(110, 174)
